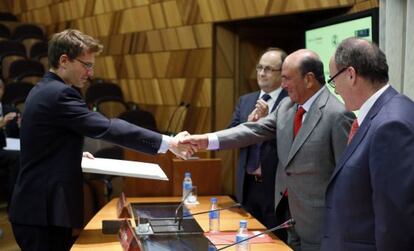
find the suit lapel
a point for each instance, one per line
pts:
(311, 120)
(249, 106)
(282, 95)
(363, 129)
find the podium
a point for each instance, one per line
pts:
(205, 174)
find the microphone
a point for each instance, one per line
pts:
(215, 210)
(178, 208)
(181, 115)
(286, 224)
(167, 131)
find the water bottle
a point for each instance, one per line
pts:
(214, 217)
(187, 185)
(241, 235)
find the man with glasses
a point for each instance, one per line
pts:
(255, 185)
(369, 200)
(47, 201)
(311, 129)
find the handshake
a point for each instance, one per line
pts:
(184, 145)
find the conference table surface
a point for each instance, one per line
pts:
(92, 238)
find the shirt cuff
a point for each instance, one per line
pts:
(164, 144)
(213, 142)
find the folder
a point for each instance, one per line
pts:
(123, 168)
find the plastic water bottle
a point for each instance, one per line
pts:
(187, 185)
(241, 235)
(214, 217)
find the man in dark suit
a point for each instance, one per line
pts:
(256, 172)
(9, 160)
(310, 128)
(370, 199)
(47, 201)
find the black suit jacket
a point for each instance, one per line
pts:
(269, 160)
(55, 120)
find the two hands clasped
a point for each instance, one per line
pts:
(184, 145)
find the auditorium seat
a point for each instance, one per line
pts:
(15, 94)
(7, 16)
(10, 51)
(4, 32)
(26, 70)
(140, 118)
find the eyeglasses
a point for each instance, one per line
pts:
(331, 80)
(267, 69)
(88, 66)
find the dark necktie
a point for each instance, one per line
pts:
(353, 131)
(253, 160)
(298, 120)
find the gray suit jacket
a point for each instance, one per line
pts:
(306, 162)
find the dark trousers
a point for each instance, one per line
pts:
(42, 238)
(9, 168)
(259, 201)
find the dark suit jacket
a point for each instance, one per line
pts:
(12, 129)
(244, 107)
(370, 197)
(49, 186)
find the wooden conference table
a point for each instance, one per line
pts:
(91, 237)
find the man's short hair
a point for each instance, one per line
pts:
(366, 58)
(314, 65)
(72, 43)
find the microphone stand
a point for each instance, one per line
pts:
(286, 224)
(215, 210)
(178, 208)
(181, 115)
(172, 117)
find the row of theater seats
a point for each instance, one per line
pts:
(23, 52)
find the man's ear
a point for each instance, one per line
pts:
(352, 73)
(63, 60)
(309, 79)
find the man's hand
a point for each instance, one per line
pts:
(197, 141)
(183, 151)
(261, 110)
(88, 155)
(7, 118)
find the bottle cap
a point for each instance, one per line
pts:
(243, 223)
(187, 174)
(213, 200)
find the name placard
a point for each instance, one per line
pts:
(127, 237)
(123, 211)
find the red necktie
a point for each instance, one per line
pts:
(354, 129)
(298, 120)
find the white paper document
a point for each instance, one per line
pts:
(12, 144)
(123, 168)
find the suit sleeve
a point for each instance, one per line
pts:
(73, 114)
(392, 178)
(248, 133)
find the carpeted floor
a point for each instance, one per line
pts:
(7, 242)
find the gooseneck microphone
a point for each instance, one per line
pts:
(178, 208)
(181, 116)
(215, 210)
(286, 224)
(173, 115)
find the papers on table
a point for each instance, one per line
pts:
(12, 144)
(123, 168)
